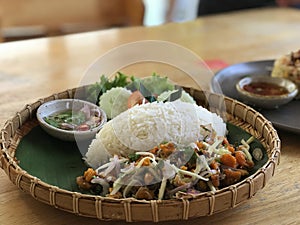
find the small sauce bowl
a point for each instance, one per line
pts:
(266, 92)
(67, 131)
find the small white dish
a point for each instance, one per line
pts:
(61, 105)
(266, 100)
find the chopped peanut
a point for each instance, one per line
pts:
(200, 145)
(146, 162)
(167, 149)
(183, 168)
(230, 148)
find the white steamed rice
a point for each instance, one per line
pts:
(145, 126)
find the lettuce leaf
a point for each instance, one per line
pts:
(96, 90)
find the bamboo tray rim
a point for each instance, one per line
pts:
(127, 208)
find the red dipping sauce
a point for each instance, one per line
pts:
(264, 88)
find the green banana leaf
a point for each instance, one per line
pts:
(53, 161)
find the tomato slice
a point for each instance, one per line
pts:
(136, 98)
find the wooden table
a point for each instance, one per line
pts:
(37, 68)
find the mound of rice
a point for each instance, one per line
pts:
(145, 126)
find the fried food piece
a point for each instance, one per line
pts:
(144, 193)
(228, 145)
(242, 161)
(89, 174)
(202, 186)
(228, 160)
(83, 184)
(215, 180)
(231, 177)
(214, 165)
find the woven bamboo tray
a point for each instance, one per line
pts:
(130, 209)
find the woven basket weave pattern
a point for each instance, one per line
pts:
(131, 209)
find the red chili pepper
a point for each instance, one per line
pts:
(83, 127)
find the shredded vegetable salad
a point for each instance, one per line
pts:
(170, 171)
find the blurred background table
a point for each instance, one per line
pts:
(41, 18)
(37, 68)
